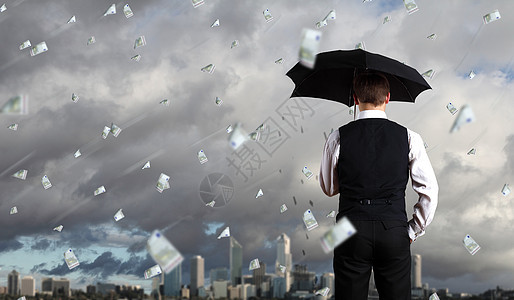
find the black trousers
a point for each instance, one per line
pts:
(383, 245)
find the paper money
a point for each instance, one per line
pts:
(472, 151)
(136, 57)
(254, 136)
(3, 8)
(38, 49)
(91, 40)
(309, 220)
(209, 68)
(234, 44)
(25, 45)
(74, 97)
(330, 16)
(17, 105)
(127, 11)
(216, 23)
(111, 10)
(163, 252)
(425, 145)
(309, 47)
(153, 271)
(70, 259)
(411, 6)
(46, 182)
(465, 116)
(13, 126)
(22, 298)
(387, 19)
(202, 157)
(321, 23)
(254, 264)
(505, 190)
(279, 61)
(471, 74)
(259, 194)
(428, 74)
(224, 233)
(165, 102)
(495, 15)
(283, 208)
(433, 297)
(229, 129)
(71, 20)
(115, 130)
(140, 41)
(433, 36)
(451, 108)
(211, 204)
(307, 172)
(197, 3)
(105, 132)
(21, 174)
(360, 45)
(331, 214)
(119, 215)
(267, 15)
(163, 183)
(146, 166)
(58, 228)
(470, 244)
(99, 191)
(261, 128)
(323, 292)
(337, 234)
(237, 137)
(218, 101)
(14, 210)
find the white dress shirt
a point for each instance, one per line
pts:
(421, 173)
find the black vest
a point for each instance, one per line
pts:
(373, 170)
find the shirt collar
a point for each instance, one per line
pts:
(367, 114)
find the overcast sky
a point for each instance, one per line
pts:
(254, 89)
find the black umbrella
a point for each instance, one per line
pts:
(333, 74)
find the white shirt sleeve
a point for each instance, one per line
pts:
(424, 183)
(328, 176)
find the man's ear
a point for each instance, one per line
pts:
(388, 97)
(355, 99)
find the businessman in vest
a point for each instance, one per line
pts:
(368, 163)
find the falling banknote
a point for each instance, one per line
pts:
(21, 174)
(323, 292)
(13, 127)
(267, 15)
(3, 8)
(254, 264)
(216, 23)
(197, 3)
(163, 252)
(465, 116)
(229, 129)
(115, 130)
(279, 61)
(282, 268)
(46, 182)
(434, 296)
(330, 16)
(331, 214)
(140, 41)
(14, 210)
(209, 68)
(471, 74)
(387, 19)
(433, 36)
(119, 215)
(99, 191)
(25, 45)
(495, 15)
(470, 244)
(360, 45)
(234, 44)
(259, 194)
(505, 190)
(105, 132)
(77, 154)
(473, 151)
(429, 74)
(153, 271)
(202, 157)
(74, 97)
(17, 105)
(337, 234)
(451, 108)
(71, 20)
(136, 57)
(309, 47)
(224, 233)
(237, 136)
(58, 228)
(218, 101)
(163, 183)
(91, 40)
(146, 165)
(210, 204)
(165, 102)
(127, 11)
(307, 172)
(411, 6)
(38, 49)
(309, 220)
(283, 208)
(111, 10)
(70, 259)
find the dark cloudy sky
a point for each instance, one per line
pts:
(180, 41)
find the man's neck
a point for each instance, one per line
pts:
(370, 106)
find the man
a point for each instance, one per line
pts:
(368, 162)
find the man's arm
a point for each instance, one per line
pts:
(328, 176)
(424, 183)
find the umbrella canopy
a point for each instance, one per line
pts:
(332, 76)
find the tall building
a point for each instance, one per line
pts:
(218, 274)
(28, 286)
(236, 262)
(220, 288)
(197, 274)
(13, 283)
(303, 280)
(173, 282)
(284, 258)
(416, 271)
(58, 286)
(327, 280)
(258, 278)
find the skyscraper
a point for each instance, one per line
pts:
(327, 280)
(13, 283)
(258, 278)
(236, 262)
(416, 271)
(284, 258)
(173, 282)
(197, 274)
(28, 286)
(219, 274)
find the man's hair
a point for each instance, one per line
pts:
(371, 87)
